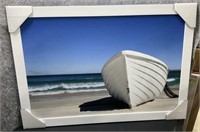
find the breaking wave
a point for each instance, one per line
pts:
(69, 87)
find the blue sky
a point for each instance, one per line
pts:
(83, 45)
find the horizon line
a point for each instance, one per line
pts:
(79, 73)
(62, 74)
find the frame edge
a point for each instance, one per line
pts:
(179, 112)
(29, 120)
(16, 15)
(188, 12)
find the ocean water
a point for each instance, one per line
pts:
(56, 84)
(173, 80)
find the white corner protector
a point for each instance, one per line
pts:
(179, 112)
(188, 12)
(31, 121)
(16, 15)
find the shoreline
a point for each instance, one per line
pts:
(67, 94)
(70, 94)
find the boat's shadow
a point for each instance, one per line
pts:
(104, 104)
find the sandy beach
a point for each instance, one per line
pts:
(68, 104)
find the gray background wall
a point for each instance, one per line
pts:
(10, 116)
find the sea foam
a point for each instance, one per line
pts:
(67, 87)
(171, 79)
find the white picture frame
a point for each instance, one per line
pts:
(16, 15)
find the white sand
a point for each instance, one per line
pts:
(68, 104)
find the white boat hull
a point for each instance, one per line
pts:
(134, 78)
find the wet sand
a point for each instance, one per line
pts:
(68, 104)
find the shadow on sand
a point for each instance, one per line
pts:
(104, 104)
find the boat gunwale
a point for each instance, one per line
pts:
(136, 55)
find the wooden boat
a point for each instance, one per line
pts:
(134, 77)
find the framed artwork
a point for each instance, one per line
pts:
(100, 64)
